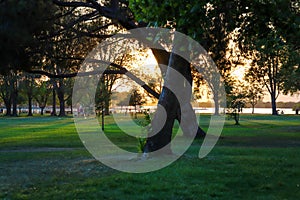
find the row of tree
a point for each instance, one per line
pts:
(24, 89)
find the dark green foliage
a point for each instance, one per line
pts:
(21, 21)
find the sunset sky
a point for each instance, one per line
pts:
(149, 67)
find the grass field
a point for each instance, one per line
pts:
(43, 158)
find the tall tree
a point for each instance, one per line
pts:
(268, 36)
(270, 55)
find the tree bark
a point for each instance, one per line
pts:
(217, 105)
(61, 97)
(15, 102)
(42, 110)
(237, 118)
(62, 111)
(53, 101)
(8, 108)
(106, 105)
(273, 102)
(162, 57)
(253, 107)
(29, 105)
(157, 139)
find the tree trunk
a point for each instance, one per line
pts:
(61, 97)
(62, 111)
(15, 103)
(29, 106)
(8, 108)
(200, 132)
(102, 118)
(216, 101)
(161, 137)
(42, 110)
(237, 118)
(162, 58)
(106, 105)
(253, 106)
(273, 101)
(53, 102)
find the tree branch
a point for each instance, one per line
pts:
(121, 70)
(71, 75)
(73, 4)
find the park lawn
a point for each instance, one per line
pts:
(43, 158)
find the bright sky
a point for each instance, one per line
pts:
(239, 74)
(145, 68)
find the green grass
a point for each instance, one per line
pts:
(43, 158)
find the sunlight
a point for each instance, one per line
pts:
(239, 73)
(150, 65)
(144, 66)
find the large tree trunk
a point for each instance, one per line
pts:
(161, 137)
(162, 57)
(200, 132)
